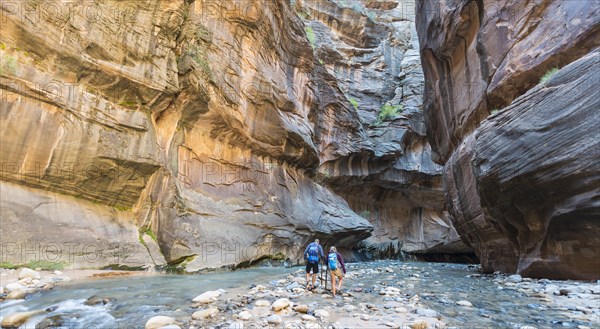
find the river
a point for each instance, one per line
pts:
(438, 287)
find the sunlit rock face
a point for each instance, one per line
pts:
(213, 133)
(520, 152)
(385, 172)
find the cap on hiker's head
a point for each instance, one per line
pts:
(333, 249)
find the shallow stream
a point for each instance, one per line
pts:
(496, 304)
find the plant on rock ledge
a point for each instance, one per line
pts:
(388, 112)
(310, 35)
(548, 75)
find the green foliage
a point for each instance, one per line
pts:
(199, 56)
(45, 265)
(145, 230)
(2, 46)
(494, 111)
(41, 264)
(321, 62)
(365, 214)
(128, 104)
(548, 75)
(203, 33)
(387, 112)
(9, 65)
(310, 35)
(354, 102)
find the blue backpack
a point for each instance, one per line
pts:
(313, 253)
(333, 261)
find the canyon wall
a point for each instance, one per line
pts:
(203, 134)
(511, 107)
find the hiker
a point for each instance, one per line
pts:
(336, 267)
(313, 254)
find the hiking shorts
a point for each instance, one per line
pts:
(338, 273)
(312, 266)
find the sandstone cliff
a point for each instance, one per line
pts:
(212, 133)
(520, 150)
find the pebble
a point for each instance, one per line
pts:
(464, 303)
(245, 316)
(262, 303)
(171, 326)
(27, 273)
(280, 304)
(427, 312)
(236, 325)
(301, 309)
(208, 297)
(274, 319)
(321, 314)
(307, 317)
(365, 317)
(515, 278)
(205, 314)
(17, 294)
(15, 320)
(13, 286)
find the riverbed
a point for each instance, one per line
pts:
(384, 294)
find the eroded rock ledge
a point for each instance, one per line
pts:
(519, 151)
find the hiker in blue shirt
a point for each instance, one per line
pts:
(337, 269)
(313, 254)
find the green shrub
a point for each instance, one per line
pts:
(387, 112)
(494, 111)
(310, 35)
(548, 75)
(354, 102)
(9, 65)
(365, 214)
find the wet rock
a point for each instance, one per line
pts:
(245, 315)
(280, 304)
(159, 322)
(28, 273)
(427, 312)
(13, 286)
(15, 320)
(97, 300)
(208, 297)
(515, 278)
(307, 317)
(17, 294)
(205, 314)
(302, 308)
(464, 303)
(321, 314)
(262, 303)
(274, 319)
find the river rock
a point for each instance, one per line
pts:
(15, 320)
(280, 304)
(274, 319)
(205, 314)
(171, 326)
(307, 317)
(464, 303)
(365, 317)
(321, 314)
(28, 273)
(159, 322)
(427, 312)
(17, 294)
(515, 278)
(13, 286)
(245, 315)
(301, 308)
(208, 297)
(262, 303)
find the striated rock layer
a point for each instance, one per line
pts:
(524, 183)
(384, 170)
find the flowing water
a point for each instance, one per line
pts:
(439, 285)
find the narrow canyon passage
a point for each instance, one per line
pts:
(164, 138)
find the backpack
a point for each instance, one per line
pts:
(333, 261)
(313, 253)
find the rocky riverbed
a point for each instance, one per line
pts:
(401, 295)
(386, 294)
